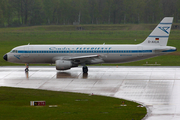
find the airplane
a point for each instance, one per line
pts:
(68, 56)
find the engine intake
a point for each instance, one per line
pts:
(63, 65)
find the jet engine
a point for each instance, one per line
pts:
(63, 65)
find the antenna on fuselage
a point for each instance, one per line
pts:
(28, 43)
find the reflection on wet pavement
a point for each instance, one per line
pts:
(156, 87)
(66, 75)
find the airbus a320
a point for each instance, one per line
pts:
(67, 56)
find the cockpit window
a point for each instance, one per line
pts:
(14, 51)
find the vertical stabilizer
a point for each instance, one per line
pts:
(160, 35)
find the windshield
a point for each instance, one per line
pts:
(14, 51)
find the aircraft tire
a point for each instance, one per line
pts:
(85, 69)
(26, 70)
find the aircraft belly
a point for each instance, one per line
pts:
(123, 58)
(119, 58)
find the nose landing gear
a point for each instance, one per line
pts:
(27, 68)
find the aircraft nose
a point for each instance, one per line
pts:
(5, 57)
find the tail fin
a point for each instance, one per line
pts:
(160, 35)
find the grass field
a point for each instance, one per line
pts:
(92, 34)
(15, 105)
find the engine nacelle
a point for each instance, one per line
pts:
(63, 65)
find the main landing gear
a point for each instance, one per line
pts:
(27, 68)
(85, 69)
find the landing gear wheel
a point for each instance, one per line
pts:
(26, 70)
(85, 69)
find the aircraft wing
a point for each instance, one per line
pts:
(88, 59)
(83, 57)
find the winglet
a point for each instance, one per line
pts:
(159, 36)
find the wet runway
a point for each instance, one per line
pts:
(156, 87)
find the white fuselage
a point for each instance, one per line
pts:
(106, 53)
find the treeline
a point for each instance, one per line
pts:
(42, 12)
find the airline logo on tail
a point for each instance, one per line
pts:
(159, 36)
(164, 29)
